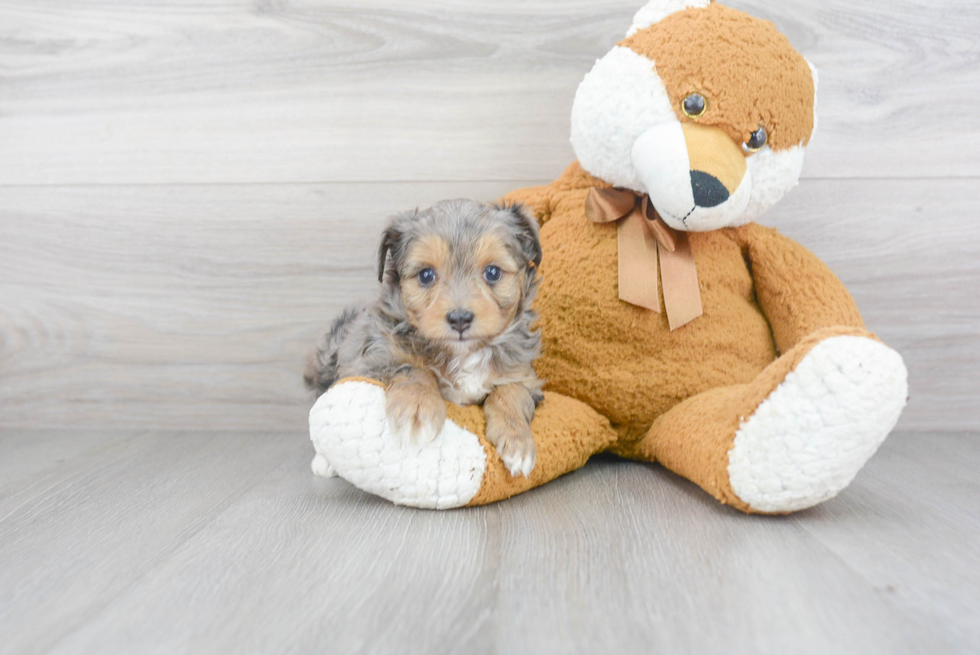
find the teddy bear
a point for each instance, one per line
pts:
(674, 329)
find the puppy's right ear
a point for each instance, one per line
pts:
(389, 241)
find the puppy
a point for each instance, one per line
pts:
(453, 321)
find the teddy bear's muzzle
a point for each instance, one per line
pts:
(708, 189)
(695, 175)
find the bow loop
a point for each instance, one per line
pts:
(608, 205)
(665, 235)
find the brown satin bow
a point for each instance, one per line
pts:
(642, 234)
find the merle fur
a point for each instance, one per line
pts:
(377, 340)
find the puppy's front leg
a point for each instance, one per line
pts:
(509, 409)
(415, 406)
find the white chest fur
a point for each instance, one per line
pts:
(465, 380)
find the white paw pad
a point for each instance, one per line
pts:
(352, 438)
(810, 437)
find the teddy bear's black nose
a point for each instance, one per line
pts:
(708, 189)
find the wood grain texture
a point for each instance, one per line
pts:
(190, 190)
(110, 92)
(912, 501)
(78, 533)
(157, 306)
(221, 543)
(193, 307)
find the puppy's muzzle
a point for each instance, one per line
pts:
(460, 320)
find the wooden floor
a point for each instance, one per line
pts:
(189, 191)
(170, 542)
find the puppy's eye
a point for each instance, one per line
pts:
(757, 140)
(427, 277)
(491, 273)
(694, 105)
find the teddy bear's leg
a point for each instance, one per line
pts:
(459, 467)
(793, 437)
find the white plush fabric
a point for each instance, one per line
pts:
(816, 430)
(773, 174)
(352, 439)
(625, 131)
(656, 10)
(662, 165)
(663, 169)
(620, 98)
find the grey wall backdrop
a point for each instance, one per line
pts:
(189, 191)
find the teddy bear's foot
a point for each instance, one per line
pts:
(459, 467)
(793, 437)
(352, 439)
(808, 439)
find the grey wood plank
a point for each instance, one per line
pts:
(649, 563)
(311, 91)
(918, 505)
(76, 536)
(910, 256)
(196, 305)
(193, 307)
(617, 557)
(28, 453)
(300, 564)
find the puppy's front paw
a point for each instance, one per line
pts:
(516, 449)
(416, 411)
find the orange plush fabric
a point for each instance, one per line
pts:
(623, 360)
(673, 397)
(729, 55)
(566, 433)
(679, 397)
(617, 378)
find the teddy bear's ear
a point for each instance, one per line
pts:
(656, 10)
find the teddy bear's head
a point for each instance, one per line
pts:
(703, 107)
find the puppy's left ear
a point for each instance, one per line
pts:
(527, 232)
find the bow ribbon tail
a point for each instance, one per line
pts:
(648, 251)
(682, 295)
(638, 277)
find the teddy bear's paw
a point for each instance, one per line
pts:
(351, 435)
(808, 439)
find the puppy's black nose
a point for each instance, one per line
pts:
(460, 319)
(708, 189)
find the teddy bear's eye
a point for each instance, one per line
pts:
(757, 140)
(694, 105)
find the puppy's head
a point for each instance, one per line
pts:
(463, 271)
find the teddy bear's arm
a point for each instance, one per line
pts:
(797, 292)
(535, 198)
